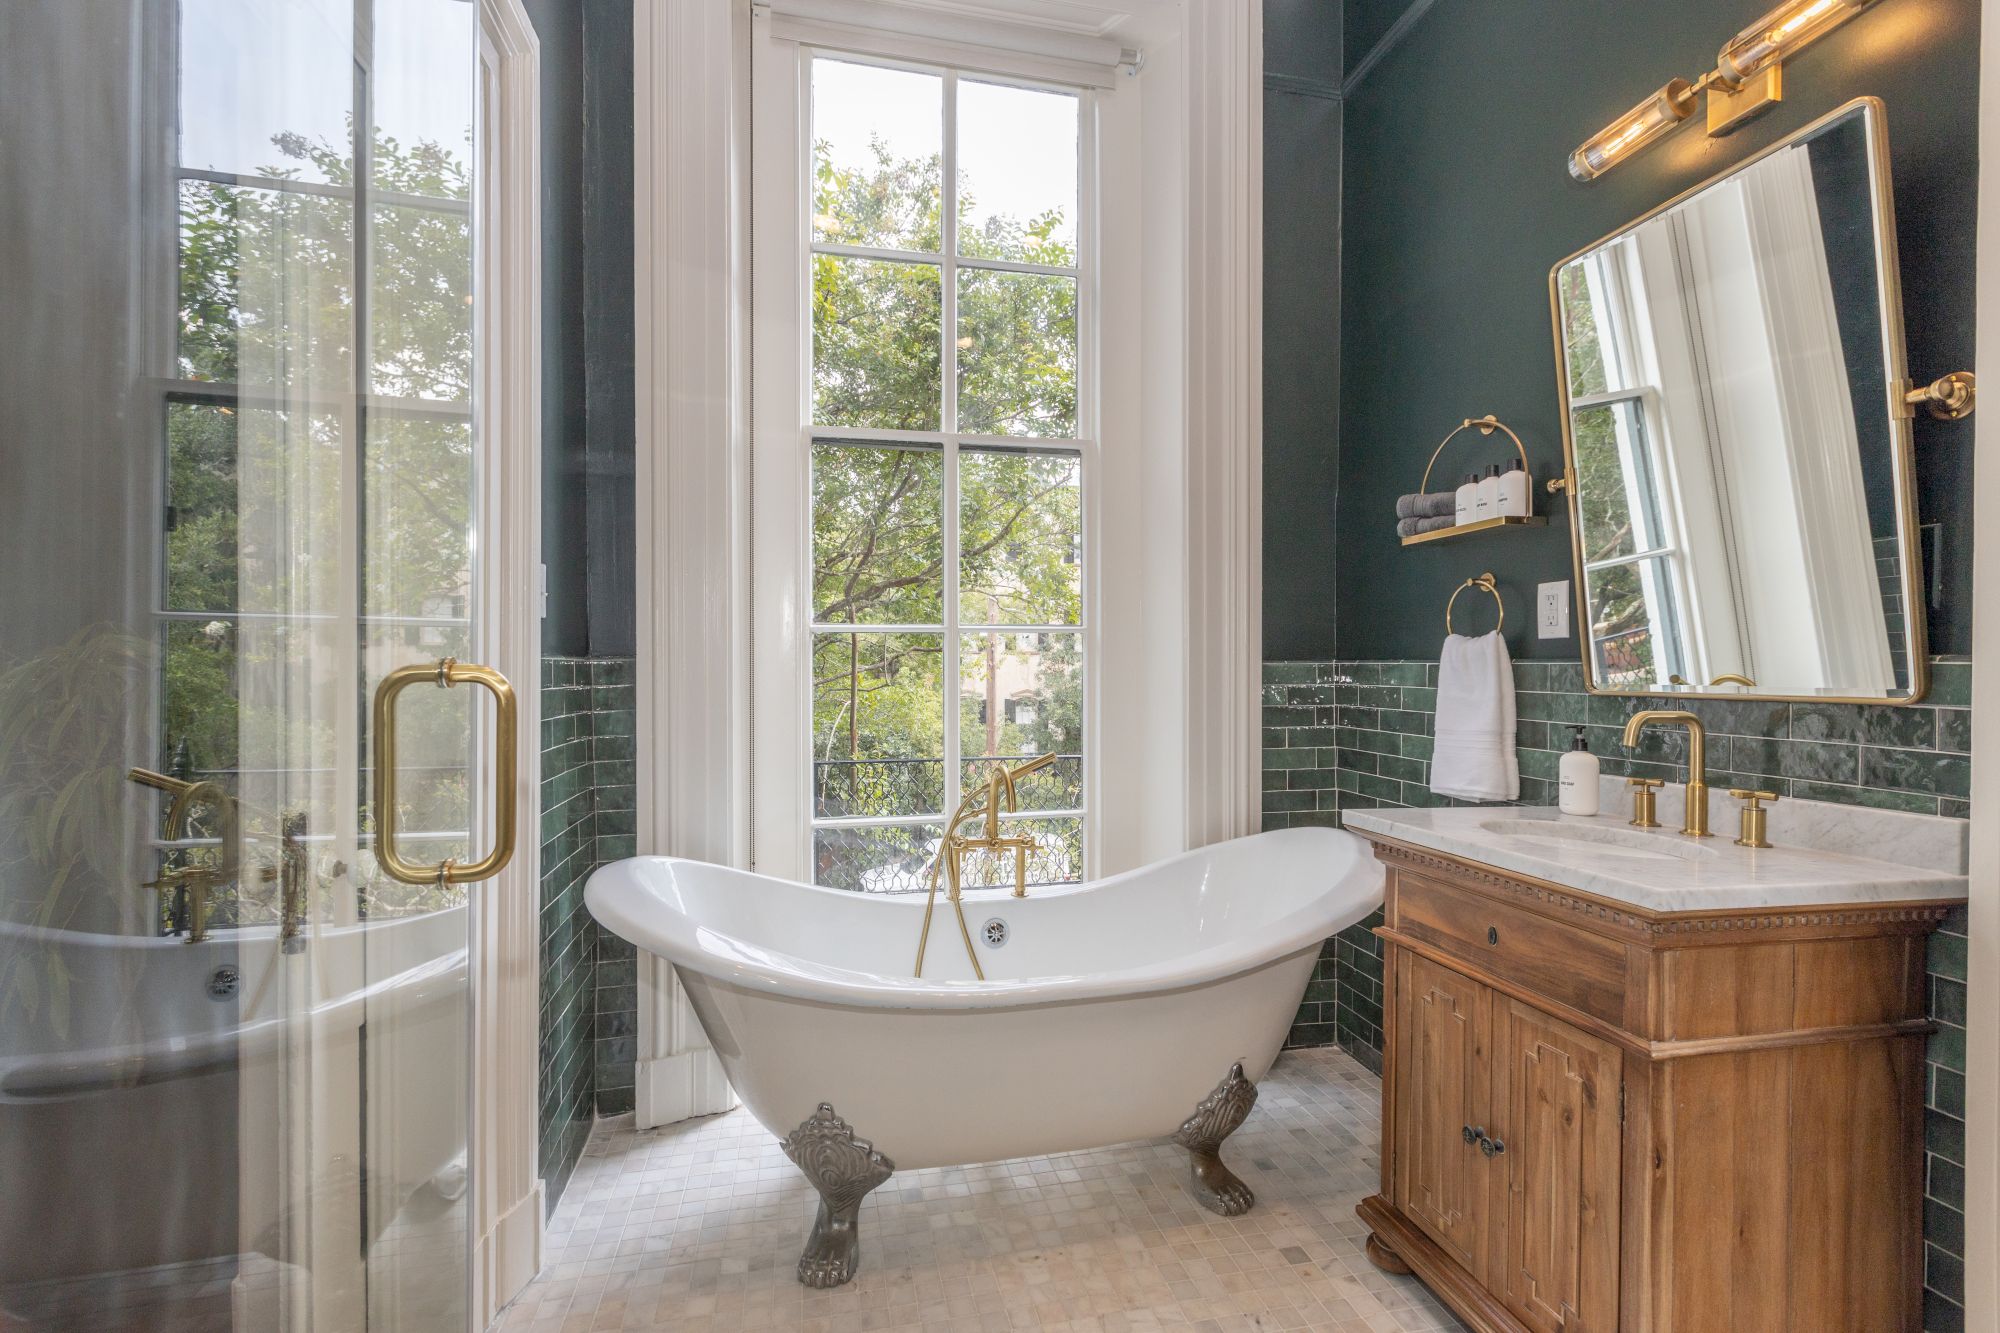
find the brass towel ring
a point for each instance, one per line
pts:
(1485, 584)
(1485, 425)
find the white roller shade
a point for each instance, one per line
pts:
(944, 37)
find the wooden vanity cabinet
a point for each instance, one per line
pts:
(1597, 1117)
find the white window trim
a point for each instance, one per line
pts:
(690, 113)
(781, 557)
(505, 919)
(1181, 168)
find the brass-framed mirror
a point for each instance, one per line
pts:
(1737, 448)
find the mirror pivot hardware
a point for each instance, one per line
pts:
(1949, 398)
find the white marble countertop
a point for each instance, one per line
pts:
(1660, 870)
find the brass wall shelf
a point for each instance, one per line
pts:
(1485, 425)
(1483, 525)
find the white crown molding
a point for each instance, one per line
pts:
(690, 115)
(505, 923)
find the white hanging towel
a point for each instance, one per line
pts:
(1473, 758)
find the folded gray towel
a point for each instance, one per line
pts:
(1411, 527)
(1437, 504)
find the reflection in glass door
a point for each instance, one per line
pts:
(237, 489)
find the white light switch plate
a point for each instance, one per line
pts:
(1552, 610)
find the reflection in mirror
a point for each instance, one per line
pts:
(1742, 503)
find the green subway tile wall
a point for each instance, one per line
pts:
(1356, 735)
(587, 817)
(616, 1030)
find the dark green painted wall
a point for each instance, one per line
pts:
(588, 1005)
(608, 538)
(1458, 201)
(1302, 70)
(559, 30)
(1367, 22)
(587, 371)
(1303, 40)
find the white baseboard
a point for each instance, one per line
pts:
(676, 1087)
(510, 1255)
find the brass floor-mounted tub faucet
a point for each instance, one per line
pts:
(195, 881)
(982, 801)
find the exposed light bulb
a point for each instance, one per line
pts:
(1634, 130)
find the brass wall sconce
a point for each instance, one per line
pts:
(1748, 79)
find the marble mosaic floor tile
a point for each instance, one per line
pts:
(696, 1228)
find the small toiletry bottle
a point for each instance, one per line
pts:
(1514, 500)
(1486, 499)
(1578, 773)
(1467, 497)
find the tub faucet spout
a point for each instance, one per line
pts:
(984, 801)
(1000, 787)
(196, 881)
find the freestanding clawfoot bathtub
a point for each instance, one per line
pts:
(1138, 1006)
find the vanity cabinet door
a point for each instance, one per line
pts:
(1556, 1091)
(1442, 1022)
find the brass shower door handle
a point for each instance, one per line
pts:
(506, 764)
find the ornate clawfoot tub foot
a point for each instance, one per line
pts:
(843, 1169)
(1214, 1186)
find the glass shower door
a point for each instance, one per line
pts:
(237, 492)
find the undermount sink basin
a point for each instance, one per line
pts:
(1624, 844)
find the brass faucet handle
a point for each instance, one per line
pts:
(1645, 802)
(197, 882)
(1754, 823)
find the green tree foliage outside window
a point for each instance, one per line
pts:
(267, 308)
(878, 536)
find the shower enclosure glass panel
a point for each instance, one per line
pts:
(237, 483)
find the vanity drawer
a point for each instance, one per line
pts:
(1568, 965)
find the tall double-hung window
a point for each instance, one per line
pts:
(1633, 570)
(323, 295)
(948, 411)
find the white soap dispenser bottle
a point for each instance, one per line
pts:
(1486, 495)
(1514, 492)
(1467, 499)
(1577, 774)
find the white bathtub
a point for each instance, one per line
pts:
(123, 1143)
(1111, 1010)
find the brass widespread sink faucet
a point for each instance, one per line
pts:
(1695, 823)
